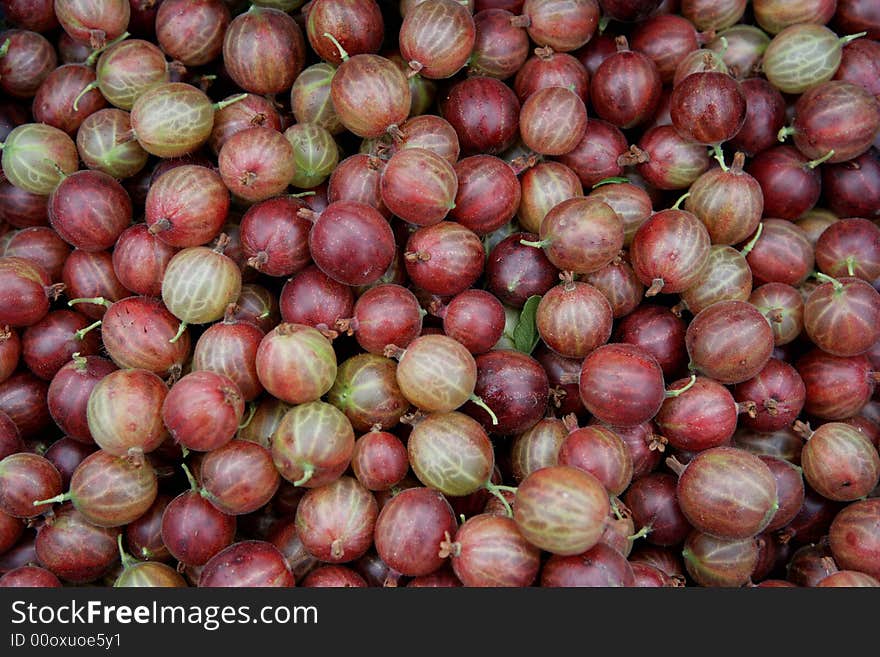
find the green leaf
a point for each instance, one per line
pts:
(525, 335)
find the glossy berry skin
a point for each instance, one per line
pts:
(352, 243)
(410, 529)
(437, 37)
(561, 509)
(621, 384)
(840, 463)
(444, 259)
(203, 410)
(581, 235)
(669, 250)
(842, 317)
(573, 319)
(514, 386)
(701, 417)
(727, 493)
(730, 341)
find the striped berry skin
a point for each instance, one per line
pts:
(842, 316)
(105, 142)
(111, 491)
(542, 188)
(250, 112)
(191, 31)
(411, 528)
(74, 549)
(551, 69)
(430, 132)
(336, 521)
(36, 157)
(621, 406)
(669, 250)
(24, 291)
(124, 412)
(552, 121)
(53, 103)
(730, 203)
(187, 206)
(173, 119)
(95, 22)
(203, 410)
(582, 235)
(257, 164)
(836, 386)
(264, 50)
(573, 319)
(854, 536)
(370, 95)
(725, 277)
(274, 238)
(488, 195)
(199, 284)
(310, 97)
(26, 478)
(352, 243)
(564, 25)
(445, 258)
(366, 390)
(802, 56)
(315, 154)
(500, 47)
(239, 477)
(730, 341)
(727, 493)
(89, 210)
(230, 348)
(296, 363)
(484, 113)
(451, 452)
(128, 69)
(436, 373)
(69, 393)
(708, 108)
(28, 59)
(561, 509)
(437, 37)
(137, 332)
(313, 444)
(836, 116)
(357, 25)
(139, 261)
(626, 87)
(419, 186)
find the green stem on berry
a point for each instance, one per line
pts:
(86, 89)
(93, 57)
(479, 402)
(52, 500)
(538, 245)
(79, 335)
(784, 132)
(180, 330)
(719, 155)
(101, 301)
(812, 164)
(229, 101)
(343, 55)
(308, 473)
(825, 278)
(611, 181)
(747, 249)
(681, 391)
